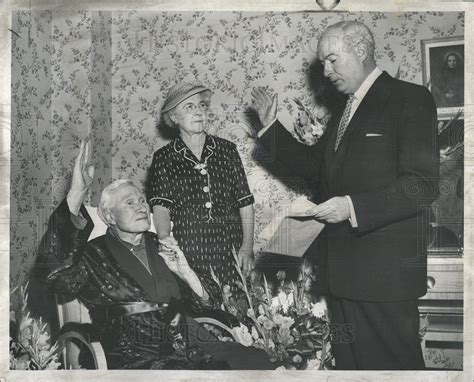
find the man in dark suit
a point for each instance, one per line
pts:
(375, 174)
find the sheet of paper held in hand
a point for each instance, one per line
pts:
(291, 232)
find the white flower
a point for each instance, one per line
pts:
(287, 322)
(319, 309)
(259, 344)
(285, 337)
(275, 303)
(261, 311)
(254, 333)
(291, 299)
(43, 341)
(317, 129)
(53, 365)
(307, 304)
(283, 301)
(268, 324)
(313, 364)
(277, 319)
(281, 275)
(282, 297)
(244, 336)
(297, 358)
(25, 322)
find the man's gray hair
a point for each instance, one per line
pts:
(106, 197)
(355, 33)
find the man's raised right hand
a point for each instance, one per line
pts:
(265, 105)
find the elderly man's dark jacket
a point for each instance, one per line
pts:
(104, 273)
(388, 163)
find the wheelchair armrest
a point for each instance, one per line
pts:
(88, 336)
(224, 317)
(225, 321)
(85, 332)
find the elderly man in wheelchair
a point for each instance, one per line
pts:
(140, 291)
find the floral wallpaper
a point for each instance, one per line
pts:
(104, 75)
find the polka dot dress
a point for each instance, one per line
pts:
(203, 197)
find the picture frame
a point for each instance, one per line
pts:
(443, 73)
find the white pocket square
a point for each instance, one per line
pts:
(373, 135)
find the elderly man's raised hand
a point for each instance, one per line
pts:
(265, 105)
(82, 178)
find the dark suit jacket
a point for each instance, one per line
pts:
(388, 163)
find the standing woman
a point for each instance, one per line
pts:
(197, 181)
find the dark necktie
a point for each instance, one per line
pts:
(344, 121)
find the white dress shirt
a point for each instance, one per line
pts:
(358, 97)
(363, 89)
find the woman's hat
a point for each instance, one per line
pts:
(179, 92)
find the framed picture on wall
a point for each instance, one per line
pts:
(443, 73)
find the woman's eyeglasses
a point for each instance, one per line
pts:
(190, 108)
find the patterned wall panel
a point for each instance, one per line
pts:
(104, 75)
(231, 53)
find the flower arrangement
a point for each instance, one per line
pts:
(308, 127)
(30, 347)
(282, 319)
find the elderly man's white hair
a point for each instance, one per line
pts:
(106, 197)
(354, 33)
